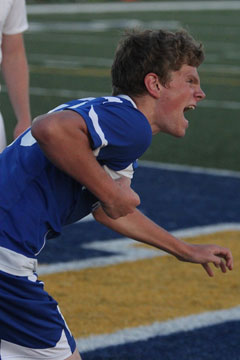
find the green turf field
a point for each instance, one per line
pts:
(70, 56)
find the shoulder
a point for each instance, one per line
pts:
(110, 120)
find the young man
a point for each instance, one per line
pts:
(80, 158)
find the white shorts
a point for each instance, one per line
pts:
(11, 351)
(31, 324)
(3, 141)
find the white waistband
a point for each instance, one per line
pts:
(16, 264)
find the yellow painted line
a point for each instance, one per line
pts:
(107, 299)
(85, 71)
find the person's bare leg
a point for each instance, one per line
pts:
(75, 356)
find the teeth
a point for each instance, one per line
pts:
(190, 107)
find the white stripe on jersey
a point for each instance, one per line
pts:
(28, 139)
(93, 115)
(128, 172)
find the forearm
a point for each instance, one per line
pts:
(63, 137)
(16, 76)
(139, 227)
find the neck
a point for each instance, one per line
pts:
(147, 105)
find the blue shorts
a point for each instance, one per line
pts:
(31, 325)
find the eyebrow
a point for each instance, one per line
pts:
(194, 77)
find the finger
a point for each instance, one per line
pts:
(227, 255)
(229, 260)
(223, 267)
(220, 264)
(208, 269)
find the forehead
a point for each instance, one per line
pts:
(186, 71)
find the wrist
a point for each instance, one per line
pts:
(185, 252)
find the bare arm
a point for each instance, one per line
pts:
(137, 226)
(64, 138)
(16, 76)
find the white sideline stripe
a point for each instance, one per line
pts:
(76, 94)
(76, 61)
(65, 93)
(133, 7)
(206, 230)
(231, 105)
(190, 169)
(218, 68)
(69, 60)
(181, 324)
(100, 25)
(125, 251)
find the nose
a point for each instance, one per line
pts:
(200, 94)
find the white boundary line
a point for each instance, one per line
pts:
(101, 25)
(123, 250)
(190, 169)
(181, 324)
(123, 253)
(76, 94)
(133, 7)
(219, 104)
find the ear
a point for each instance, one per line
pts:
(153, 85)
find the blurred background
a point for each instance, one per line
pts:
(70, 53)
(123, 301)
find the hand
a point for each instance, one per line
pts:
(125, 201)
(20, 128)
(204, 254)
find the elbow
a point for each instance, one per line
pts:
(41, 129)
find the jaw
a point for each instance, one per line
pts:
(171, 121)
(175, 126)
(179, 125)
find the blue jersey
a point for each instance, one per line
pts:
(37, 199)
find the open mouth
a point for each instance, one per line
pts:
(190, 107)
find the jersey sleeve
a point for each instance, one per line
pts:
(16, 21)
(119, 133)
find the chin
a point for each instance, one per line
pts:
(179, 133)
(180, 130)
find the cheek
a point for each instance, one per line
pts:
(175, 100)
(177, 104)
(180, 100)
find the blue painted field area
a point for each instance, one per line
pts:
(124, 306)
(174, 199)
(221, 341)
